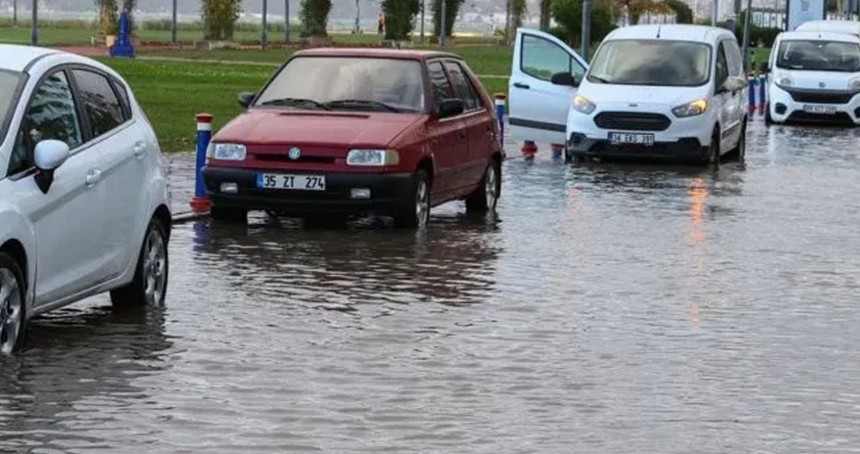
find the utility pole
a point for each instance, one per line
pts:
(746, 39)
(442, 26)
(264, 34)
(174, 26)
(586, 28)
(34, 29)
(715, 7)
(423, 7)
(14, 13)
(508, 27)
(357, 17)
(287, 21)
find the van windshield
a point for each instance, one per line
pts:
(652, 62)
(814, 55)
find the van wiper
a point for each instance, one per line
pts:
(294, 102)
(360, 103)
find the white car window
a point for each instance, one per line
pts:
(542, 58)
(8, 84)
(51, 115)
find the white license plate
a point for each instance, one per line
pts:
(618, 138)
(819, 109)
(291, 181)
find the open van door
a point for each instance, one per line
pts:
(544, 76)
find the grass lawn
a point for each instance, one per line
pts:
(172, 92)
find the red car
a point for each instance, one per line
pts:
(355, 131)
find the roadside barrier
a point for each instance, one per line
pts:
(757, 92)
(500, 115)
(200, 202)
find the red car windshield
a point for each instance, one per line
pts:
(347, 83)
(8, 84)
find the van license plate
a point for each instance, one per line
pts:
(819, 109)
(630, 138)
(289, 181)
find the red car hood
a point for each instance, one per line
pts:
(319, 128)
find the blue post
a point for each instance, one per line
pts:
(122, 47)
(751, 81)
(200, 202)
(500, 115)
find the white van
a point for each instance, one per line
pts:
(814, 76)
(850, 27)
(653, 91)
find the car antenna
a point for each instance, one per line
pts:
(659, 26)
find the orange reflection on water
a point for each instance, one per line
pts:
(696, 195)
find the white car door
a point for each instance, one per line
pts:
(537, 107)
(66, 220)
(122, 149)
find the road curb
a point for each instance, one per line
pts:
(188, 216)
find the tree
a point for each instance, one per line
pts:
(107, 21)
(568, 14)
(452, 8)
(545, 14)
(219, 18)
(519, 8)
(314, 16)
(399, 16)
(683, 13)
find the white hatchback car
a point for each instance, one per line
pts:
(814, 76)
(652, 91)
(83, 197)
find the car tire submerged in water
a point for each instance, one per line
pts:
(486, 196)
(741, 148)
(415, 212)
(228, 214)
(149, 285)
(713, 158)
(12, 298)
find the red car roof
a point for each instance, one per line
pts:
(406, 54)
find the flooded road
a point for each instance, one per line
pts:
(610, 308)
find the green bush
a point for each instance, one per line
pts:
(314, 16)
(399, 17)
(452, 8)
(219, 18)
(568, 14)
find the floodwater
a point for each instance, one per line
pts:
(609, 308)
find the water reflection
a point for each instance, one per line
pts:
(76, 371)
(452, 263)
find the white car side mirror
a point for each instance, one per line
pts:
(50, 154)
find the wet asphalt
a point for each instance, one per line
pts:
(607, 308)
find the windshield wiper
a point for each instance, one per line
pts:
(294, 102)
(360, 103)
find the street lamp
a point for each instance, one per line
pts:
(264, 34)
(287, 19)
(34, 30)
(357, 17)
(586, 27)
(174, 27)
(14, 13)
(442, 26)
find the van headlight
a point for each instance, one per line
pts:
(226, 151)
(691, 109)
(854, 84)
(370, 158)
(784, 80)
(581, 104)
